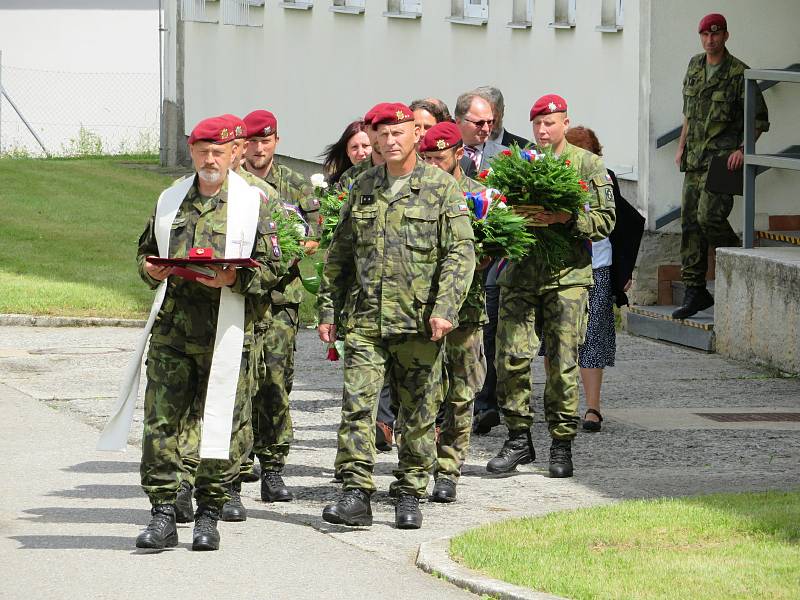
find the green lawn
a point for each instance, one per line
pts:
(68, 236)
(68, 233)
(723, 546)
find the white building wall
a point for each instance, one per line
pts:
(318, 70)
(73, 63)
(762, 34)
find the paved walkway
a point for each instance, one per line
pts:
(69, 515)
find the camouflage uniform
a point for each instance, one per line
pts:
(272, 421)
(405, 258)
(189, 436)
(465, 365)
(182, 344)
(535, 301)
(350, 175)
(714, 112)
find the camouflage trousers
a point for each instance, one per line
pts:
(272, 422)
(173, 407)
(559, 317)
(704, 223)
(414, 367)
(465, 366)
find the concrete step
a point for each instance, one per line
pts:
(679, 291)
(655, 322)
(778, 238)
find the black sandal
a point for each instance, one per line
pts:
(592, 425)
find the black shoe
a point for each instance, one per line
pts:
(406, 513)
(252, 475)
(696, 299)
(273, 489)
(233, 510)
(354, 509)
(484, 420)
(561, 458)
(205, 536)
(592, 425)
(160, 533)
(517, 450)
(184, 511)
(444, 490)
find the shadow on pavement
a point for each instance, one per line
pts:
(75, 542)
(104, 466)
(60, 514)
(101, 491)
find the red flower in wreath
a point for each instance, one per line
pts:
(483, 174)
(506, 152)
(567, 162)
(584, 185)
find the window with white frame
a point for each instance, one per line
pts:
(521, 14)
(237, 12)
(469, 12)
(353, 7)
(403, 9)
(563, 14)
(195, 10)
(612, 13)
(298, 4)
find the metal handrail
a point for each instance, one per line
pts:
(674, 134)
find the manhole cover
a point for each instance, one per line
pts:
(749, 417)
(78, 350)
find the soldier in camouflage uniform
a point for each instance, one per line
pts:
(713, 125)
(464, 362)
(189, 438)
(182, 343)
(272, 421)
(537, 302)
(404, 247)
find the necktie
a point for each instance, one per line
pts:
(472, 154)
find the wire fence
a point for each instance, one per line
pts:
(78, 114)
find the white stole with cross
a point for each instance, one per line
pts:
(244, 203)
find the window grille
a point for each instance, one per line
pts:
(612, 14)
(563, 14)
(469, 12)
(353, 7)
(237, 12)
(403, 9)
(521, 14)
(195, 10)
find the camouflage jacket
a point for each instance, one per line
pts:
(473, 311)
(348, 177)
(592, 225)
(714, 111)
(398, 261)
(295, 189)
(188, 316)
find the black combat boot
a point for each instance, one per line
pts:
(354, 509)
(517, 450)
(161, 532)
(406, 513)
(233, 510)
(484, 420)
(444, 490)
(205, 536)
(696, 299)
(561, 458)
(273, 489)
(184, 511)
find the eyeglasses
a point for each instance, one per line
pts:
(480, 124)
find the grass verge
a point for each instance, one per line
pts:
(68, 236)
(722, 546)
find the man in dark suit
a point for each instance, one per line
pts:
(475, 120)
(499, 134)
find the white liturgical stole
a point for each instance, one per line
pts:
(243, 208)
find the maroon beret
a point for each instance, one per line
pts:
(217, 130)
(440, 137)
(713, 23)
(239, 128)
(371, 113)
(548, 104)
(391, 113)
(260, 123)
